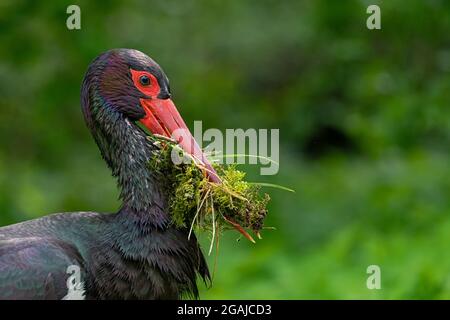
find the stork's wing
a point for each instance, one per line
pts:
(35, 268)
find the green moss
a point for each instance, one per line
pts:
(197, 203)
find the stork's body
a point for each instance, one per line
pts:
(135, 253)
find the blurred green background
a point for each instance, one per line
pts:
(363, 115)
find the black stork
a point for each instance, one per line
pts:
(135, 253)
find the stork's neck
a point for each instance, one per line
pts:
(127, 151)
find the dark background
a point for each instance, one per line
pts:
(363, 115)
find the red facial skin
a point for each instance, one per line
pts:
(163, 118)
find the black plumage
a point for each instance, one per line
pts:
(132, 254)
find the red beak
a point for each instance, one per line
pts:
(163, 118)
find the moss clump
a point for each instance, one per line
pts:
(195, 202)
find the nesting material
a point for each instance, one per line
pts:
(197, 203)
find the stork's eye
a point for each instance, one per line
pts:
(144, 80)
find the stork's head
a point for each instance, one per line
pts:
(129, 82)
